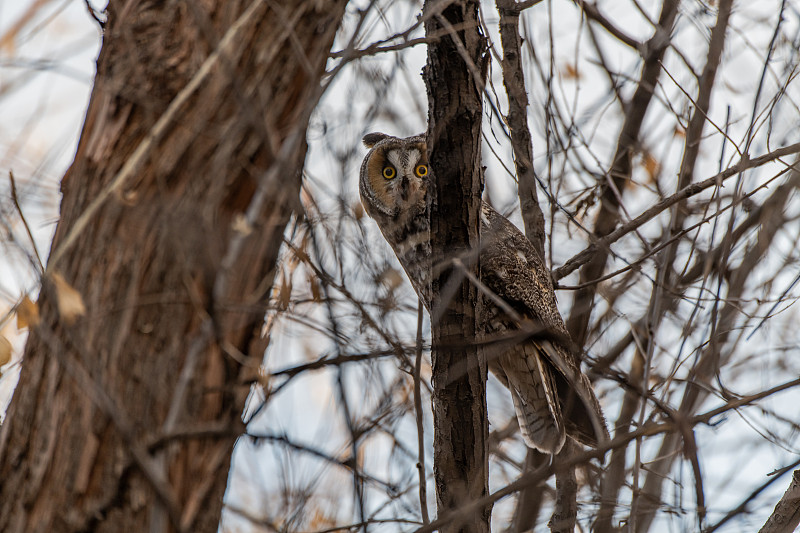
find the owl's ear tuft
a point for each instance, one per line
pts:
(371, 139)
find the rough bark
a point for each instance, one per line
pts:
(454, 79)
(786, 516)
(565, 510)
(171, 221)
(517, 119)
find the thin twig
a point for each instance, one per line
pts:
(745, 163)
(593, 13)
(423, 491)
(15, 199)
(459, 516)
(676, 237)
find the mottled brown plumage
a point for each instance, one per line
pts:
(528, 347)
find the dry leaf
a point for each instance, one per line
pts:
(571, 72)
(70, 303)
(241, 225)
(391, 278)
(129, 197)
(358, 210)
(316, 294)
(360, 456)
(652, 166)
(405, 392)
(5, 351)
(27, 314)
(7, 44)
(302, 251)
(306, 198)
(321, 520)
(263, 378)
(285, 294)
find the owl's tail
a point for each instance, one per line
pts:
(532, 385)
(583, 416)
(552, 397)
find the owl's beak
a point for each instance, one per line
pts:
(405, 182)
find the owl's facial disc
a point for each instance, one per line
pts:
(406, 186)
(398, 178)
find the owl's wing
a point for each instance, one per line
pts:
(513, 270)
(583, 415)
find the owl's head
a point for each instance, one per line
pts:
(394, 175)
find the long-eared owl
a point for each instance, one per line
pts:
(551, 396)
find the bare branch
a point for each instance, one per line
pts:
(592, 12)
(423, 491)
(517, 119)
(786, 515)
(690, 190)
(621, 166)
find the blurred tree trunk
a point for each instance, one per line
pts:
(173, 211)
(454, 76)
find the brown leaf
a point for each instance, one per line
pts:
(241, 225)
(7, 44)
(27, 314)
(284, 293)
(5, 351)
(315, 290)
(358, 210)
(651, 165)
(321, 520)
(571, 72)
(391, 278)
(263, 378)
(70, 303)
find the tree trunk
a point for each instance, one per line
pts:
(172, 216)
(454, 77)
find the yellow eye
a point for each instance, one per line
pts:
(389, 172)
(422, 170)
